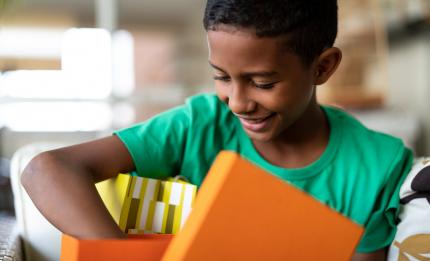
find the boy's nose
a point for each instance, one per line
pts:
(239, 101)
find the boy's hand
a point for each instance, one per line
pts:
(61, 185)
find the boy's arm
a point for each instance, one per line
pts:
(379, 255)
(61, 184)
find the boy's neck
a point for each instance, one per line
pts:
(301, 144)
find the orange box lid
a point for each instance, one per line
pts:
(244, 213)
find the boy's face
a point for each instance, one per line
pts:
(267, 87)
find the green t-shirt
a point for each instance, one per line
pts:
(359, 173)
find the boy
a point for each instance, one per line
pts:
(268, 57)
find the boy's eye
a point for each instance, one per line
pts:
(257, 85)
(221, 78)
(264, 85)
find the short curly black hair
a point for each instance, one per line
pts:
(310, 25)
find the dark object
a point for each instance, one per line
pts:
(420, 184)
(6, 198)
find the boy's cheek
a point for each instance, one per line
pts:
(222, 95)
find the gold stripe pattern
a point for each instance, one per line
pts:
(156, 206)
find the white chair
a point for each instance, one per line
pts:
(41, 240)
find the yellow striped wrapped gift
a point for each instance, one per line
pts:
(156, 206)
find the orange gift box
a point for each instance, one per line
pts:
(245, 213)
(149, 247)
(241, 213)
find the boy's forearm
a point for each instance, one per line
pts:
(66, 195)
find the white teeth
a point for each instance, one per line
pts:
(254, 120)
(258, 120)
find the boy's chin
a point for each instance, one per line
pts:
(260, 137)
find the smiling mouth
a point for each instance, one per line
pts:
(256, 120)
(256, 124)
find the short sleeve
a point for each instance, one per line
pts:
(380, 228)
(157, 144)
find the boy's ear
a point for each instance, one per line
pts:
(326, 64)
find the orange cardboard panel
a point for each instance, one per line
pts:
(244, 213)
(137, 248)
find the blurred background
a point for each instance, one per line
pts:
(71, 71)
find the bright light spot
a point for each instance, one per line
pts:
(123, 63)
(86, 74)
(45, 84)
(56, 116)
(18, 42)
(86, 71)
(87, 62)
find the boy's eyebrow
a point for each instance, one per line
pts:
(249, 74)
(216, 67)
